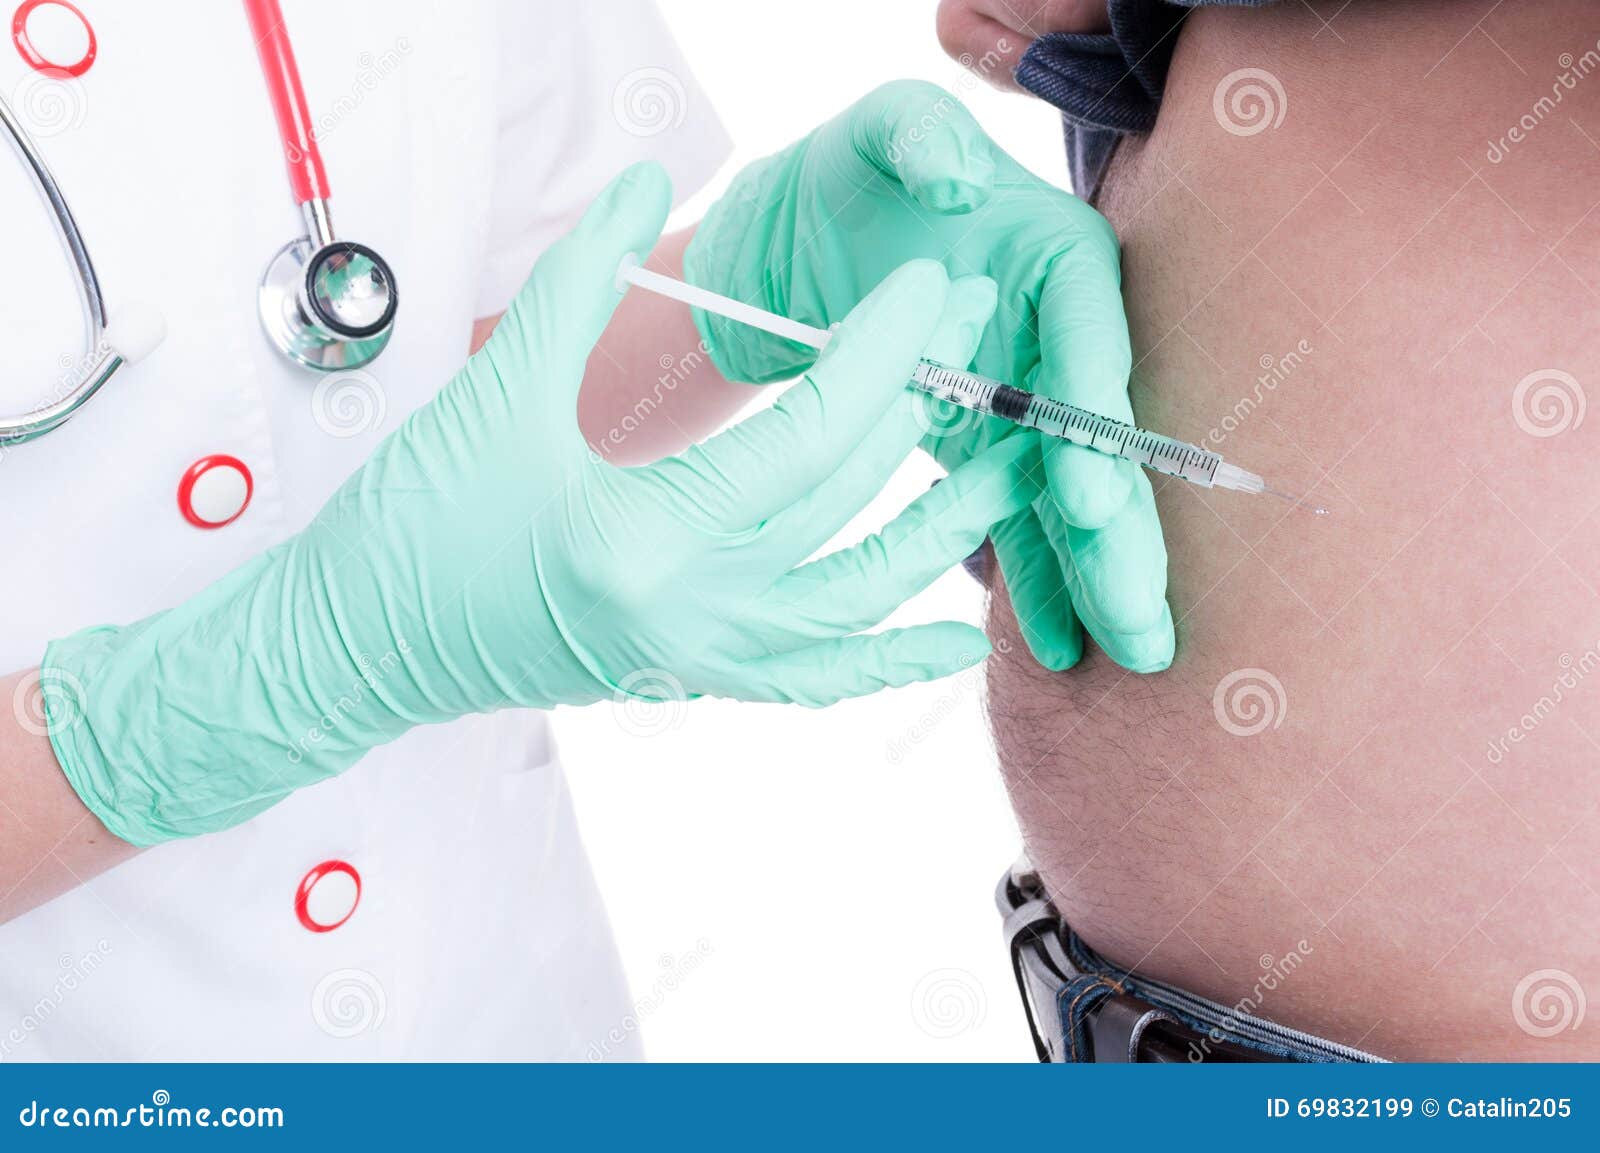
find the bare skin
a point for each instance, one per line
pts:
(1350, 302)
(651, 389)
(49, 842)
(634, 408)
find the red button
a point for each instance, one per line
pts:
(215, 491)
(35, 59)
(324, 871)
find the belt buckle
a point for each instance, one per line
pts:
(1039, 960)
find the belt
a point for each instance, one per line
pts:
(1081, 1007)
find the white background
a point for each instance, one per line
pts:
(789, 884)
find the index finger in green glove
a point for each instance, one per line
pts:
(1084, 359)
(1119, 583)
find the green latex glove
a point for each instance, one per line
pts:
(906, 172)
(485, 557)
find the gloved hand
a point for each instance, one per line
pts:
(906, 172)
(484, 557)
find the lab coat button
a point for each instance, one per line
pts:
(327, 896)
(62, 29)
(215, 491)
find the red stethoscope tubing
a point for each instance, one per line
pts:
(307, 178)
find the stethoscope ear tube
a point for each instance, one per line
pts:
(339, 332)
(135, 335)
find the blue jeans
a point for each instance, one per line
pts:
(1107, 85)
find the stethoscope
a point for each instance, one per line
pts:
(326, 304)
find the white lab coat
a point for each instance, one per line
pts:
(460, 139)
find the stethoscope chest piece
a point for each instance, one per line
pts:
(328, 307)
(326, 304)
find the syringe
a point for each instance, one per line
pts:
(1158, 453)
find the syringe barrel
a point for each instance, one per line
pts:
(1067, 422)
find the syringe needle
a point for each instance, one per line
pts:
(1297, 501)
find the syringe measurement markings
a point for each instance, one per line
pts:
(1055, 417)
